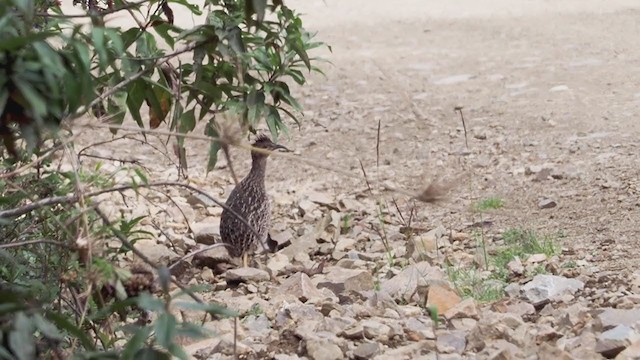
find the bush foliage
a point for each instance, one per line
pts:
(59, 297)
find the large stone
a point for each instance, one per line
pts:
(465, 309)
(300, 285)
(341, 280)
(247, 274)
(611, 342)
(323, 350)
(367, 350)
(206, 232)
(546, 287)
(405, 285)
(442, 298)
(451, 342)
(610, 317)
(631, 352)
(376, 330)
(159, 254)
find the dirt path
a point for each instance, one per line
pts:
(544, 85)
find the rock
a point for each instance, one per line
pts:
(211, 258)
(223, 344)
(282, 239)
(300, 286)
(501, 350)
(207, 275)
(635, 282)
(548, 351)
(521, 308)
(345, 244)
(206, 232)
(375, 330)
(611, 342)
(545, 287)
(405, 285)
(246, 274)
(536, 258)
(558, 88)
(411, 351)
(610, 317)
(277, 263)
(257, 326)
(353, 332)
(419, 329)
(631, 352)
(546, 204)
(451, 342)
(367, 350)
(158, 254)
(513, 290)
(323, 350)
(464, 309)
(515, 266)
(305, 244)
(419, 246)
(443, 298)
(493, 326)
(341, 280)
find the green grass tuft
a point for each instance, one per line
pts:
(491, 203)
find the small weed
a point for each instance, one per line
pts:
(256, 310)
(472, 282)
(488, 285)
(571, 264)
(346, 224)
(377, 285)
(491, 203)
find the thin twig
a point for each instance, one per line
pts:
(31, 242)
(464, 125)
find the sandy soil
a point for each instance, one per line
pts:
(549, 84)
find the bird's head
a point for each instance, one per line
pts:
(264, 142)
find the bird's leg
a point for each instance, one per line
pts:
(245, 260)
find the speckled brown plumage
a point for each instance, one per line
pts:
(249, 199)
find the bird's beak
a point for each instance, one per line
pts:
(280, 147)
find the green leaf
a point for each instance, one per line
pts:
(234, 35)
(187, 122)
(255, 104)
(37, 103)
(151, 354)
(165, 328)
(97, 35)
(274, 122)
(131, 351)
(47, 328)
(195, 9)
(149, 302)
(21, 339)
(163, 30)
(302, 53)
(135, 98)
(62, 323)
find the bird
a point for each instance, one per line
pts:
(249, 200)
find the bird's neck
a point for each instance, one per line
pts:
(258, 167)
